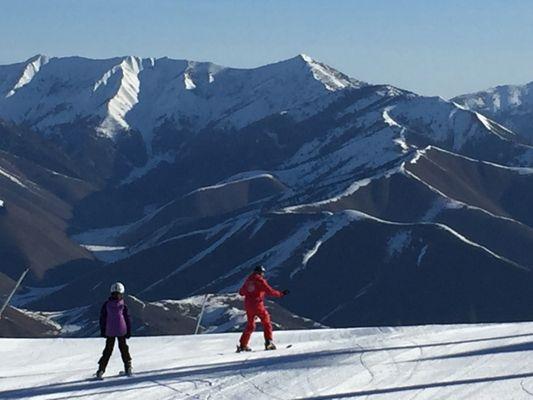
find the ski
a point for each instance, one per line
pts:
(256, 351)
(119, 375)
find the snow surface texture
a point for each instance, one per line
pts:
(430, 362)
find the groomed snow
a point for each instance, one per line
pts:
(427, 362)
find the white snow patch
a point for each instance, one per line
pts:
(107, 254)
(103, 242)
(398, 243)
(324, 75)
(189, 84)
(97, 248)
(12, 178)
(31, 69)
(421, 255)
(440, 204)
(125, 98)
(100, 237)
(307, 256)
(418, 154)
(493, 126)
(243, 177)
(388, 119)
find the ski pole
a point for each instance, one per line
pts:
(13, 291)
(201, 315)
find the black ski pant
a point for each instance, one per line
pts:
(108, 350)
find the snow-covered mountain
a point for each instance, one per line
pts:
(375, 205)
(429, 362)
(510, 105)
(130, 93)
(223, 313)
(115, 114)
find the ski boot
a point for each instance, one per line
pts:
(269, 345)
(243, 348)
(100, 374)
(128, 371)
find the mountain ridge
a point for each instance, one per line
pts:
(365, 199)
(510, 105)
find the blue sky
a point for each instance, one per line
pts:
(432, 47)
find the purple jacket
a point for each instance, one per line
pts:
(115, 319)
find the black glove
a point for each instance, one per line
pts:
(128, 335)
(102, 334)
(286, 292)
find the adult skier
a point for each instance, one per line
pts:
(115, 323)
(254, 290)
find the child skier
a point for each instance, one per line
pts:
(254, 290)
(115, 322)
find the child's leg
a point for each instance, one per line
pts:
(124, 352)
(108, 350)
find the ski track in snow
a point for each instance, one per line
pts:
(486, 361)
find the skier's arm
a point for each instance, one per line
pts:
(127, 318)
(103, 319)
(270, 291)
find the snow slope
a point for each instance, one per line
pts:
(426, 362)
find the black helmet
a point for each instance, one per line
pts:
(259, 269)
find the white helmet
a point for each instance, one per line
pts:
(117, 287)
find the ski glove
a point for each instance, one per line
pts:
(286, 292)
(102, 334)
(128, 335)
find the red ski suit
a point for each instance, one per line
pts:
(254, 290)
